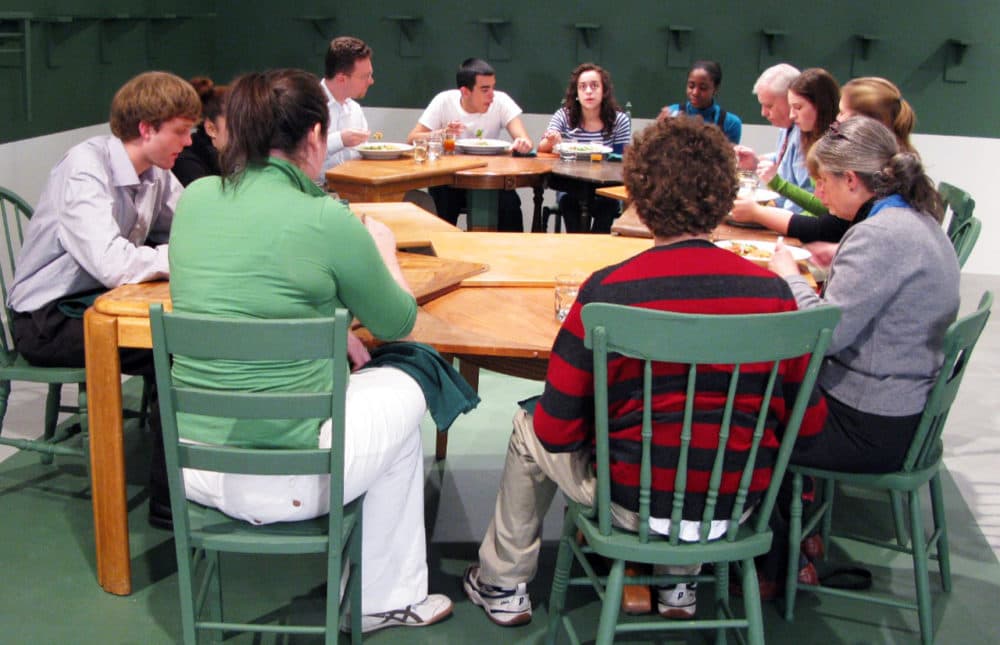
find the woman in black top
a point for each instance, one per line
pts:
(201, 158)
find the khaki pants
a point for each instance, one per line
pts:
(531, 476)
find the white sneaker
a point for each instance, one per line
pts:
(434, 608)
(504, 606)
(678, 601)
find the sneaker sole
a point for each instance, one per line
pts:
(518, 619)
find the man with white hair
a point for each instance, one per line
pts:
(771, 90)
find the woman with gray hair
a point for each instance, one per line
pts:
(886, 351)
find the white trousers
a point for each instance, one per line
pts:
(383, 459)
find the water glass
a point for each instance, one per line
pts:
(567, 286)
(420, 145)
(748, 184)
(435, 146)
(567, 150)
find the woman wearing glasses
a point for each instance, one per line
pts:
(589, 114)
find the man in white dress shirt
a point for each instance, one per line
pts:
(347, 76)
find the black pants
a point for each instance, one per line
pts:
(49, 338)
(851, 441)
(449, 202)
(602, 213)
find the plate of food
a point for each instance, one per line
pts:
(760, 252)
(583, 150)
(482, 146)
(382, 150)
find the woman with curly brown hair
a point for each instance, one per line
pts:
(589, 114)
(681, 175)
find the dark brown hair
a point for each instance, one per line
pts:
(681, 175)
(343, 53)
(609, 106)
(153, 97)
(213, 97)
(817, 86)
(271, 110)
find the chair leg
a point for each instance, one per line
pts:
(751, 603)
(147, 384)
(612, 603)
(941, 524)
(899, 517)
(560, 578)
(829, 490)
(216, 613)
(794, 540)
(52, 400)
(355, 581)
(920, 576)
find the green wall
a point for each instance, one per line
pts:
(534, 50)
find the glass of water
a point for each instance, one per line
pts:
(567, 149)
(435, 146)
(420, 146)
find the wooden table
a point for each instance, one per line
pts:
(503, 172)
(581, 179)
(410, 224)
(613, 192)
(368, 180)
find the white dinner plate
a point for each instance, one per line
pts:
(763, 195)
(382, 150)
(760, 252)
(482, 146)
(584, 150)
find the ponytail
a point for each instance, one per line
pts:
(904, 174)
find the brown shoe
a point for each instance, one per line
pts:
(636, 599)
(771, 589)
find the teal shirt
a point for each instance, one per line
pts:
(274, 246)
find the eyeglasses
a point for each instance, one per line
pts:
(592, 85)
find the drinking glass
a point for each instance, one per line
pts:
(567, 149)
(435, 146)
(420, 145)
(448, 142)
(567, 286)
(748, 184)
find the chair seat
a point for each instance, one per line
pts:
(211, 529)
(898, 480)
(623, 544)
(19, 369)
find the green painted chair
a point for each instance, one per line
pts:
(13, 367)
(201, 533)
(921, 467)
(960, 204)
(657, 336)
(964, 237)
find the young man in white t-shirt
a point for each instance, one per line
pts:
(475, 109)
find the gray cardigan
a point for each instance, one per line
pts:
(895, 278)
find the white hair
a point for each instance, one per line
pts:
(776, 79)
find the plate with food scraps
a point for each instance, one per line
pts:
(382, 150)
(760, 252)
(482, 146)
(584, 150)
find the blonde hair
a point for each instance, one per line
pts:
(153, 97)
(881, 100)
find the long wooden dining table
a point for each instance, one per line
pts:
(486, 298)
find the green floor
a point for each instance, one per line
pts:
(50, 594)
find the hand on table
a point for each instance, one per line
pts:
(521, 144)
(553, 137)
(357, 353)
(746, 158)
(744, 210)
(782, 261)
(352, 137)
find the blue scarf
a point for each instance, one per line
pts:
(894, 200)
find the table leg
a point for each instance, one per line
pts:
(537, 226)
(482, 207)
(107, 453)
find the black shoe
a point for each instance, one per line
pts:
(160, 516)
